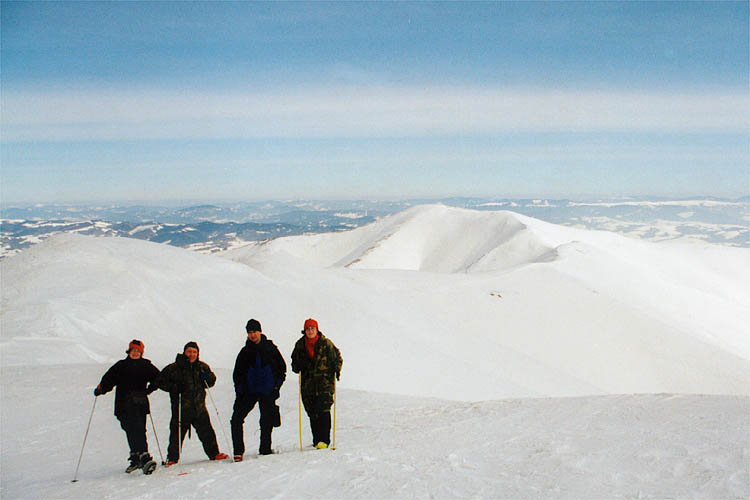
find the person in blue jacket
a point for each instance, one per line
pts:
(259, 372)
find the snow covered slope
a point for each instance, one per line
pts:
(571, 312)
(463, 306)
(532, 307)
(638, 446)
(432, 238)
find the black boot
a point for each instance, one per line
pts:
(265, 441)
(135, 463)
(147, 463)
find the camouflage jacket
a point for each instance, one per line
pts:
(319, 374)
(184, 378)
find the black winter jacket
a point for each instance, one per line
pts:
(259, 368)
(130, 376)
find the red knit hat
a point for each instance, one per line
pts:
(137, 345)
(311, 322)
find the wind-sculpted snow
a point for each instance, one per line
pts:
(435, 301)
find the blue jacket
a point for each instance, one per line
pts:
(260, 368)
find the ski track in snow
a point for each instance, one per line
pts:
(621, 446)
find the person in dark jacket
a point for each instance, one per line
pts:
(186, 381)
(131, 376)
(259, 372)
(319, 361)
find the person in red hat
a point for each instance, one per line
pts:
(133, 377)
(319, 361)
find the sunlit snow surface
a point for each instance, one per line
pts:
(485, 355)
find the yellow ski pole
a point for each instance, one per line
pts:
(334, 414)
(300, 411)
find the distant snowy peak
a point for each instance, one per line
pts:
(448, 240)
(433, 238)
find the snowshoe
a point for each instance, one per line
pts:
(321, 446)
(149, 467)
(147, 463)
(135, 463)
(132, 467)
(238, 458)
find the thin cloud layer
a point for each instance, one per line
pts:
(377, 112)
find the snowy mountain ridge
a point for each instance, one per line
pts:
(593, 320)
(432, 238)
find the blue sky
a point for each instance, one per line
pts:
(250, 100)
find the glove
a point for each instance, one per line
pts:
(98, 391)
(204, 376)
(338, 375)
(151, 388)
(275, 393)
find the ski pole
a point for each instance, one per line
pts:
(334, 414)
(223, 431)
(157, 439)
(300, 411)
(179, 433)
(75, 476)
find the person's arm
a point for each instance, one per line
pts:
(109, 380)
(238, 375)
(339, 360)
(207, 376)
(153, 373)
(165, 380)
(280, 367)
(300, 361)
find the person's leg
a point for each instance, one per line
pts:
(202, 424)
(135, 430)
(242, 406)
(126, 425)
(310, 409)
(324, 427)
(175, 438)
(267, 406)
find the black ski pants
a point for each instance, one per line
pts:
(243, 405)
(320, 424)
(202, 425)
(135, 429)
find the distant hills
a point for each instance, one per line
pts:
(220, 226)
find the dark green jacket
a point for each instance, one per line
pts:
(319, 374)
(184, 378)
